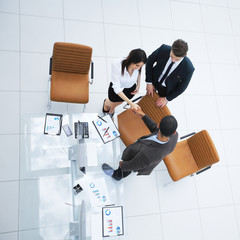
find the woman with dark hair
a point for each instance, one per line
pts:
(125, 81)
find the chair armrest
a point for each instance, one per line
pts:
(188, 135)
(203, 170)
(50, 66)
(92, 69)
(134, 100)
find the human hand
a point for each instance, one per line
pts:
(139, 111)
(135, 91)
(161, 102)
(150, 88)
(120, 163)
(135, 106)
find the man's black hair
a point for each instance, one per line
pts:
(168, 126)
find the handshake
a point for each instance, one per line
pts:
(138, 111)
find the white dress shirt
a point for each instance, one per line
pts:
(122, 81)
(174, 66)
(155, 139)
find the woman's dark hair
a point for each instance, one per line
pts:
(135, 56)
(168, 125)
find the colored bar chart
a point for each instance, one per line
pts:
(110, 226)
(112, 221)
(97, 191)
(97, 194)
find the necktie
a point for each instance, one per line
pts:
(166, 73)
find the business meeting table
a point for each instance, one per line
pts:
(95, 199)
(101, 195)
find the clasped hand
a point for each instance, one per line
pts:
(138, 111)
(135, 106)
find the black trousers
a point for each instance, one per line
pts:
(118, 174)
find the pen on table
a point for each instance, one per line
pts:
(105, 132)
(70, 204)
(102, 119)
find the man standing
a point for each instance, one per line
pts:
(168, 71)
(148, 151)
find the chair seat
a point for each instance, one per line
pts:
(180, 163)
(75, 85)
(131, 127)
(191, 155)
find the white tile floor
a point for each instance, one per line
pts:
(206, 207)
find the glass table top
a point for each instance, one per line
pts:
(46, 196)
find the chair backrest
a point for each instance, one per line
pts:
(191, 155)
(203, 149)
(148, 105)
(71, 58)
(70, 73)
(132, 127)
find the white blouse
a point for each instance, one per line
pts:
(122, 81)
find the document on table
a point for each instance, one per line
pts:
(53, 124)
(106, 128)
(97, 191)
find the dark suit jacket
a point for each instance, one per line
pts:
(177, 81)
(144, 155)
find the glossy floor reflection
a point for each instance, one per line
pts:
(34, 170)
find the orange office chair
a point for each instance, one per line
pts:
(193, 155)
(69, 73)
(132, 127)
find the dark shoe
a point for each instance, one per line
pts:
(103, 107)
(107, 169)
(118, 174)
(117, 178)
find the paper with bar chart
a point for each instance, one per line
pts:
(106, 128)
(112, 221)
(97, 191)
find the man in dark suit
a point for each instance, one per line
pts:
(169, 71)
(148, 151)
